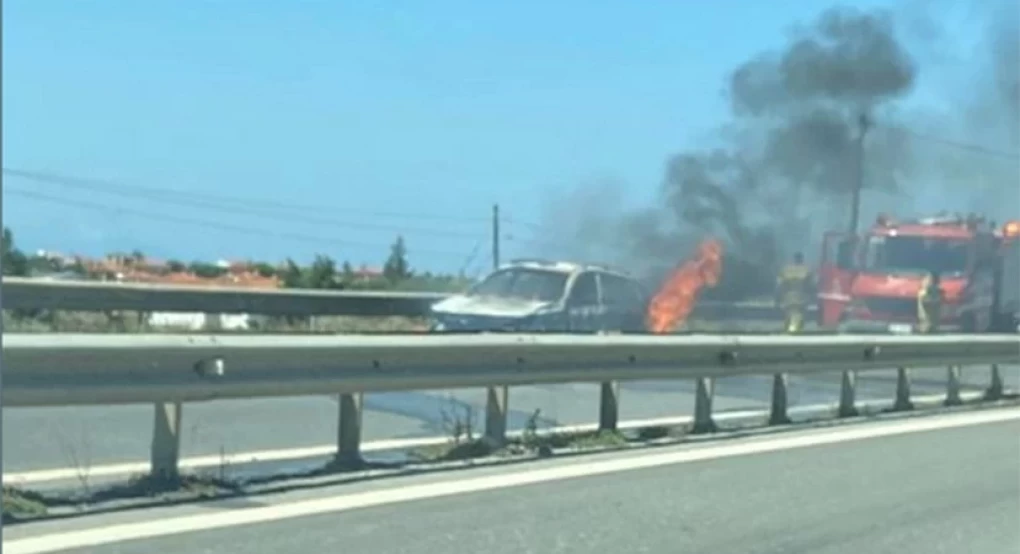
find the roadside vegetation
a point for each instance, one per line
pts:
(45, 321)
(464, 444)
(20, 505)
(323, 273)
(142, 490)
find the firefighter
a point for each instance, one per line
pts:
(929, 304)
(792, 293)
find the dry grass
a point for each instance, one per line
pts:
(19, 505)
(534, 444)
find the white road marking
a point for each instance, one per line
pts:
(302, 453)
(247, 516)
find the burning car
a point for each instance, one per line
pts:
(539, 295)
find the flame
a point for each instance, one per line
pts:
(1011, 229)
(676, 297)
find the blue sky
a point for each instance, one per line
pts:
(358, 109)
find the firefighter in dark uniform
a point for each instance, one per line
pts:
(929, 304)
(792, 293)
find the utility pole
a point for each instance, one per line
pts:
(855, 202)
(495, 236)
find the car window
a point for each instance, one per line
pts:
(526, 284)
(617, 291)
(585, 292)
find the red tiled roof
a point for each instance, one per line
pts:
(157, 271)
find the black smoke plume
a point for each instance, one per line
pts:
(790, 159)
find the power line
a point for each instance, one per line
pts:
(470, 258)
(509, 218)
(242, 206)
(212, 200)
(297, 237)
(255, 206)
(974, 148)
(222, 205)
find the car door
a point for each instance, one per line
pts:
(584, 308)
(624, 304)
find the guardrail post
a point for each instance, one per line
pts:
(495, 414)
(903, 402)
(995, 389)
(51, 318)
(166, 441)
(142, 320)
(703, 422)
(213, 322)
(779, 415)
(115, 318)
(848, 395)
(609, 406)
(348, 440)
(953, 386)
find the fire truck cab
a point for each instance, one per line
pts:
(871, 282)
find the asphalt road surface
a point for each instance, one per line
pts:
(933, 489)
(41, 438)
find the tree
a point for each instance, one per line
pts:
(322, 274)
(264, 269)
(35, 265)
(13, 261)
(292, 275)
(79, 269)
(176, 266)
(206, 270)
(396, 268)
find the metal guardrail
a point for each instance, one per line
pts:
(24, 293)
(64, 370)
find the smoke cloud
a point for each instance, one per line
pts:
(789, 160)
(967, 158)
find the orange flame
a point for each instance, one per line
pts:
(676, 297)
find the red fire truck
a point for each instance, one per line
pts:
(871, 282)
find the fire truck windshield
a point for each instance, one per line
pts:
(916, 255)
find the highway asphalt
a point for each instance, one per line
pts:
(929, 490)
(36, 438)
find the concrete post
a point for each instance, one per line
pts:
(779, 415)
(995, 389)
(166, 441)
(348, 440)
(609, 406)
(495, 414)
(903, 401)
(703, 422)
(953, 386)
(848, 395)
